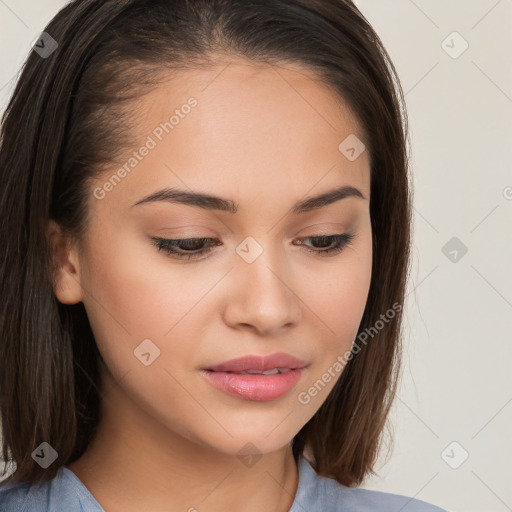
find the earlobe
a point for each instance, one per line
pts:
(66, 275)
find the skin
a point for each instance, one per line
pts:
(265, 137)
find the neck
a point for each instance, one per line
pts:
(136, 463)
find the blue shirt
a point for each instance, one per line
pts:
(66, 493)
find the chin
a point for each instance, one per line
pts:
(246, 440)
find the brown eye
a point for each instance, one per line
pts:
(337, 243)
(184, 247)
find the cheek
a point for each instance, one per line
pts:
(348, 296)
(137, 294)
(338, 309)
(137, 291)
(338, 295)
(121, 299)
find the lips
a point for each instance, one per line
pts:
(254, 387)
(253, 364)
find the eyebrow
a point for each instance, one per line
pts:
(210, 202)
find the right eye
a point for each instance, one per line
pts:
(193, 247)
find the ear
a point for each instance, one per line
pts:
(66, 280)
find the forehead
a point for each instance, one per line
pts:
(238, 128)
(236, 96)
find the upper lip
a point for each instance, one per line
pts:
(259, 363)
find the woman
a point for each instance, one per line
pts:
(206, 218)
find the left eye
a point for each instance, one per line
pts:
(194, 247)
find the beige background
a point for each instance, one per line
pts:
(456, 394)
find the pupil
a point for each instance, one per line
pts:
(192, 244)
(322, 241)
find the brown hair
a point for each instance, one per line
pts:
(67, 118)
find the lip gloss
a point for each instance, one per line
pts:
(256, 386)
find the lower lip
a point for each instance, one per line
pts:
(254, 387)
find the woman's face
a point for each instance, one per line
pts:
(264, 139)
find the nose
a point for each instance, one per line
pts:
(262, 296)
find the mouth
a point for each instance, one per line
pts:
(255, 364)
(258, 378)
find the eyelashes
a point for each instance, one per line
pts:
(168, 246)
(190, 248)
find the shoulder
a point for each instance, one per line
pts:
(21, 497)
(365, 500)
(64, 492)
(318, 493)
